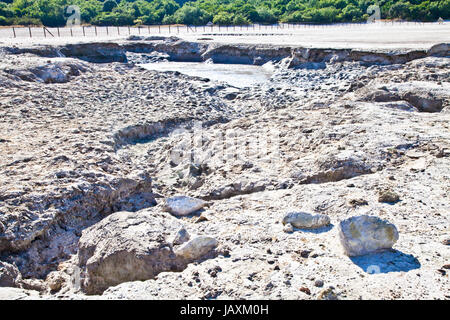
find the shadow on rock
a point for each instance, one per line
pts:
(386, 261)
(317, 230)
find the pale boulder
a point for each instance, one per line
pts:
(183, 205)
(365, 234)
(305, 220)
(196, 248)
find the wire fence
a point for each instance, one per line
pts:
(111, 31)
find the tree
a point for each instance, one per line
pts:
(240, 20)
(192, 15)
(109, 5)
(351, 13)
(399, 10)
(265, 15)
(223, 18)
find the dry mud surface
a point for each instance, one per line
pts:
(93, 145)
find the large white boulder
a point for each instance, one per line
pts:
(365, 234)
(131, 246)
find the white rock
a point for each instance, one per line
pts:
(183, 205)
(181, 236)
(196, 248)
(127, 246)
(288, 228)
(306, 220)
(366, 234)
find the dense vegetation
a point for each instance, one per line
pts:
(223, 12)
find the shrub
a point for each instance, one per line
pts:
(223, 18)
(4, 21)
(240, 20)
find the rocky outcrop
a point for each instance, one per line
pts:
(362, 235)
(134, 246)
(9, 275)
(91, 201)
(126, 247)
(424, 96)
(181, 50)
(56, 70)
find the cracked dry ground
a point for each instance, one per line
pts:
(104, 141)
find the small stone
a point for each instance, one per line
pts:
(442, 272)
(358, 202)
(183, 205)
(213, 272)
(388, 196)
(288, 228)
(327, 294)
(181, 236)
(365, 234)
(318, 283)
(305, 290)
(446, 242)
(201, 219)
(55, 281)
(447, 266)
(305, 220)
(305, 253)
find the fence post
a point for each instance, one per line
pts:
(45, 35)
(178, 29)
(95, 27)
(59, 35)
(29, 30)
(107, 31)
(118, 30)
(159, 28)
(71, 32)
(46, 30)
(129, 30)
(14, 31)
(169, 28)
(148, 29)
(84, 32)
(139, 29)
